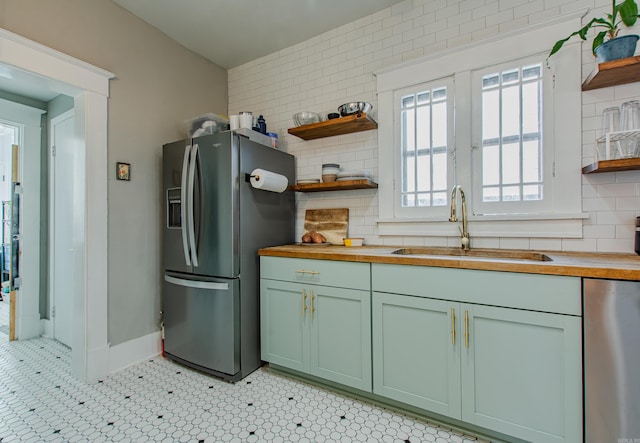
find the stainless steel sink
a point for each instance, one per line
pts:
(503, 254)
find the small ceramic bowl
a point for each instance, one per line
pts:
(353, 241)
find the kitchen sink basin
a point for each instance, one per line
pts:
(503, 254)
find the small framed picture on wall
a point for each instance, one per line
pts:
(123, 171)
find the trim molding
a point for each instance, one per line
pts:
(134, 351)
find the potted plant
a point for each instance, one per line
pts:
(615, 47)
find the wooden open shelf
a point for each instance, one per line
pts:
(364, 183)
(337, 126)
(623, 164)
(615, 72)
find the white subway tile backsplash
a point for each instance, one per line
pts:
(337, 66)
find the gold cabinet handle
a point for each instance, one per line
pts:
(312, 308)
(466, 329)
(304, 271)
(304, 302)
(453, 326)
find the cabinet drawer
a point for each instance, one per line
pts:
(319, 272)
(535, 292)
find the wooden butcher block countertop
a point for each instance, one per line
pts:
(578, 264)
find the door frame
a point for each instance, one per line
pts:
(89, 86)
(52, 219)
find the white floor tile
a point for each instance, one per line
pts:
(160, 401)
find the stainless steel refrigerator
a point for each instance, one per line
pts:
(215, 222)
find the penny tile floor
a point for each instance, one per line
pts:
(160, 401)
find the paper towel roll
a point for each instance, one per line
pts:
(268, 181)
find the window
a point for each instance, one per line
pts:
(511, 135)
(425, 132)
(515, 153)
(500, 141)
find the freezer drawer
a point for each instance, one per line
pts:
(202, 322)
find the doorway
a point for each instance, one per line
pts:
(29, 62)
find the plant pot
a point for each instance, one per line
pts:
(617, 48)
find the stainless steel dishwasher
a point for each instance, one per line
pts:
(611, 361)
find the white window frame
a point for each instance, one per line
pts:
(547, 141)
(431, 211)
(563, 217)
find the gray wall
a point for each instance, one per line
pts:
(158, 85)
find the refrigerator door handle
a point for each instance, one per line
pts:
(191, 191)
(197, 284)
(184, 210)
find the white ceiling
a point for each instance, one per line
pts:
(232, 32)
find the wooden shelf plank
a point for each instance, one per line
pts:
(615, 72)
(623, 164)
(335, 186)
(337, 126)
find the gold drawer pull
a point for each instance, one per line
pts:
(304, 302)
(466, 329)
(303, 271)
(312, 308)
(453, 326)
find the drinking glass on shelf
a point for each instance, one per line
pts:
(610, 123)
(629, 121)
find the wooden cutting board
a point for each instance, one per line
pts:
(332, 223)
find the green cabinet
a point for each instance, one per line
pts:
(416, 352)
(310, 324)
(446, 346)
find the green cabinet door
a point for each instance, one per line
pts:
(284, 325)
(416, 351)
(341, 335)
(318, 330)
(521, 373)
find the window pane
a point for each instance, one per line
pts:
(511, 163)
(510, 111)
(439, 128)
(408, 131)
(490, 81)
(424, 173)
(510, 77)
(424, 200)
(409, 184)
(490, 114)
(440, 171)
(423, 97)
(439, 94)
(511, 193)
(531, 162)
(424, 128)
(491, 165)
(408, 200)
(531, 72)
(408, 101)
(530, 107)
(532, 192)
(440, 199)
(491, 194)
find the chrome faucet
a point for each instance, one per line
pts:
(464, 231)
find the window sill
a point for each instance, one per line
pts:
(518, 226)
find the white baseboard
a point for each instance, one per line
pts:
(134, 351)
(46, 328)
